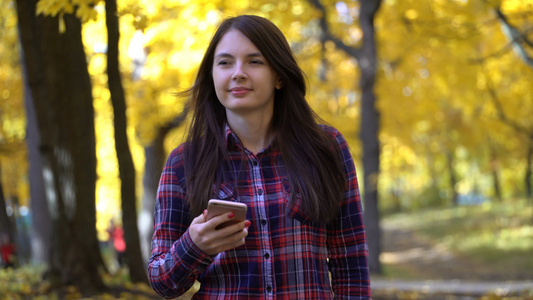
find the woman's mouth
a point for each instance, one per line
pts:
(239, 91)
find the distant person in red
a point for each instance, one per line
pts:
(7, 250)
(116, 235)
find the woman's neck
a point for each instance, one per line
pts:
(255, 132)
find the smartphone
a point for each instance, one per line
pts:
(217, 207)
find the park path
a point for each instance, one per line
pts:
(443, 289)
(434, 272)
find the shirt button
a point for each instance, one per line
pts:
(267, 256)
(263, 222)
(255, 163)
(269, 289)
(260, 192)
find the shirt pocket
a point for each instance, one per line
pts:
(293, 209)
(223, 192)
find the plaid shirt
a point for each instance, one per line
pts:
(285, 255)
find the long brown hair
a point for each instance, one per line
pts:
(312, 158)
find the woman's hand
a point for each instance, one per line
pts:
(211, 240)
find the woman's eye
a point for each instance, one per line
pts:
(259, 62)
(222, 62)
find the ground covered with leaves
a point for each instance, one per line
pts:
(26, 283)
(483, 243)
(491, 242)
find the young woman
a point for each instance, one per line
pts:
(254, 139)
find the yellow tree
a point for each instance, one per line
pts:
(517, 29)
(125, 161)
(434, 98)
(59, 87)
(12, 121)
(176, 33)
(127, 173)
(366, 55)
(427, 82)
(167, 39)
(162, 53)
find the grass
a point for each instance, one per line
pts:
(396, 272)
(496, 234)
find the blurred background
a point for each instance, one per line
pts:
(434, 97)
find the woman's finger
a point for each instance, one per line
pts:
(199, 219)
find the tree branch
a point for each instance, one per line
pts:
(502, 115)
(518, 40)
(178, 120)
(328, 36)
(495, 54)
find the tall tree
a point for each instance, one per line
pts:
(495, 172)
(41, 219)
(55, 69)
(6, 226)
(450, 161)
(155, 156)
(125, 161)
(520, 40)
(370, 122)
(522, 43)
(520, 130)
(366, 55)
(12, 147)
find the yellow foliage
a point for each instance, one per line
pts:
(13, 155)
(437, 61)
(84, 8)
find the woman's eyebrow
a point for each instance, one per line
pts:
(223, 55)
(227, 55)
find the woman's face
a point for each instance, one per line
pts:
(244, 81)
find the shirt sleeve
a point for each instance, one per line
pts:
(347, 245)
(175, 261)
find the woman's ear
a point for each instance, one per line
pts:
(279, 84)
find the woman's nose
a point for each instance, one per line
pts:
(239, 73)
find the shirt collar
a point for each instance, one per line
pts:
(232, 140)
(233, 143)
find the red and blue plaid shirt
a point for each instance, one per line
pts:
(285, 255)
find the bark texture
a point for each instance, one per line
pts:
(59, 86)
(125, 160)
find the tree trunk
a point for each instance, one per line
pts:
(41, 219)
(6, 222)
(434, 189)
(366, 56)
(496, 186)
(55, 69)
(154, 161)
(125, 161)
(529, 165)
(453, 177)
(494, 170)
(370, 121)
